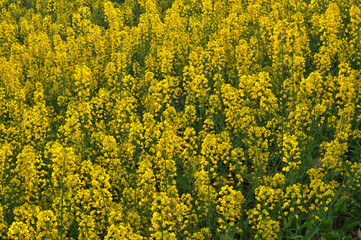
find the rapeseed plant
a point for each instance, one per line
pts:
(179, 119)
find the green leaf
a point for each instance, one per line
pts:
(326, 225)
(298, 236)
(341, 206)
(350, 224)
(332, 236)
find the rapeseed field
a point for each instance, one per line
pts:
(180, 119)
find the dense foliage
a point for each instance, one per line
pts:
(180, 119)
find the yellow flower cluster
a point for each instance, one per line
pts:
(229, 208)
